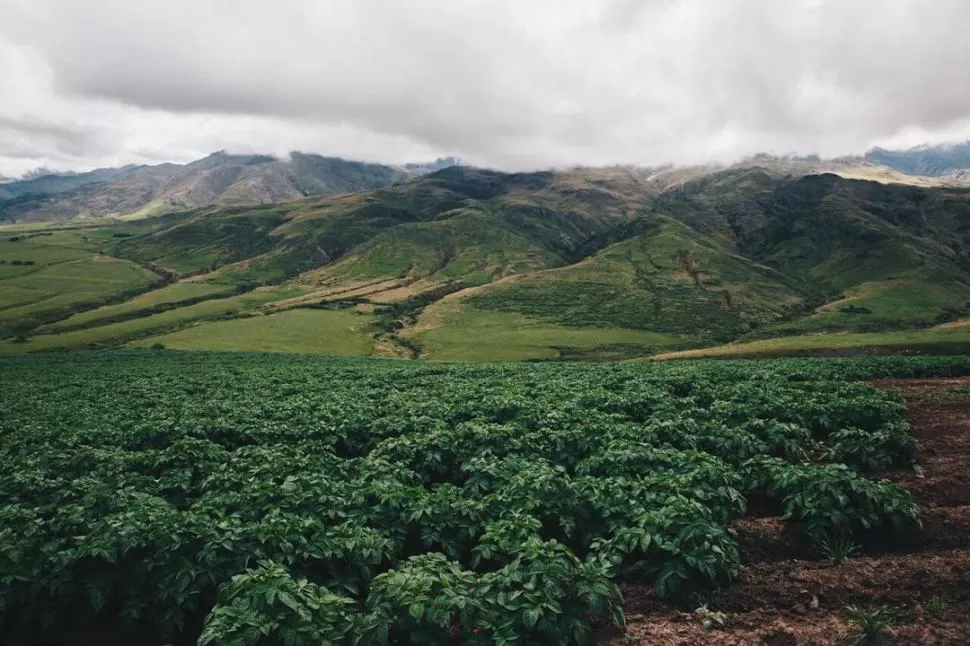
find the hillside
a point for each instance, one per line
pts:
(946, 160)
(220, 178)
(470, 263)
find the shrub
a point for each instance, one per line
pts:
(267, 604)
(855, 309)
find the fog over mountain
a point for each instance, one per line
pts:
(509, 84)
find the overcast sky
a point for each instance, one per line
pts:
(503, 83)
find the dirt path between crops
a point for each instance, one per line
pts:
(781, 600)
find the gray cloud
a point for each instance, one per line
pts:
(24, 136)
(510, 83)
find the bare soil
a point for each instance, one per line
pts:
(783, 598)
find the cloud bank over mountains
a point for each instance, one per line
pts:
(503, 83)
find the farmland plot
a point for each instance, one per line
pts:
(159, 497)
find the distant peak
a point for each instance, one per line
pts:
(43, 171)
(223, 157)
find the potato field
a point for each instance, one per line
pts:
(155, 497)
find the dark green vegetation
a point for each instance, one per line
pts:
(155, 497)
(647, 263)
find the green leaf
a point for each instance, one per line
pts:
(416, 610)
(531, 617)
(97, 597)
(287, 600)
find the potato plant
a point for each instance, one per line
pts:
(154, 497)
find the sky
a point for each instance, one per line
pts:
(511, 84)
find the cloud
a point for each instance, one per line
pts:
(25, 136)
(508, 83)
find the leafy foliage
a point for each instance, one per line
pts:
(871, 622)
(837, 548)
(710, 618)
(286, 500)
(267, 601)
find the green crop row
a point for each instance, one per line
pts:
(156, 497)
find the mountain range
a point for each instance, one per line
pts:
(471, 263)
(136, 191)
(947, 160)
(220, 178)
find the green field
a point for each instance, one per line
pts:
(884, 305)
(167, 295)
(161, 497)
(474, 335)
(308, 331)
(121, 332)
(937, 340)
(44, 277)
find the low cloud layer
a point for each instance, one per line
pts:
(505, 83)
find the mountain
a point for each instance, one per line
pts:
(946, 160)
(136, 191)
(743, 252)
(41, 181)
(220, 178)
(472, 263)
(430, 167)
(43, 171)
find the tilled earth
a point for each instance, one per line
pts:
(781, 599)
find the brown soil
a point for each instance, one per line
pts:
(783, 599)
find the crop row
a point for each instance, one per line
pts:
(152, 497)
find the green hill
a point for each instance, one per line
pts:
(463, 262)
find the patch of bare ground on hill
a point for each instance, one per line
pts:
(784, 598)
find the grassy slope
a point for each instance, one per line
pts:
(462, 334)
(459, 223)
(575, 264)
(899, 252)
(205, 239)
(333, 332)
(67, 272)
(881, 306)
(465, 246)
(936, 340)
(637, 284)
(120, 332)
(173, 294)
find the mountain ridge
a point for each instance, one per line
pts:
(950, 160)
(582, 263)
(220, 178)
(135, 191)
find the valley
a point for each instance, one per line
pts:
(484, 323)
